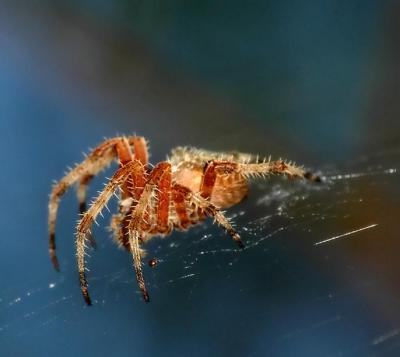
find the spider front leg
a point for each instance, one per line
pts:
(119, 178)
(181, 196)
(159, 180)
(131, 191)
(135, 235)
(81, 194)
(101, 157)
(97, 160)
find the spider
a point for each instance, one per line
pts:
(189, 186)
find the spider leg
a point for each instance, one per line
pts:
(135, 236)
(191, 154)
(140, 149)
(119, 228)
(221, 184)
(278, 167)
(124, 153)
(85, 223)
(211, 170)
(179, 196)
(115, 228)
(81, 192)
(161, 177)
(123, 231)
(96, 161)
(210, 210)
(132, 188)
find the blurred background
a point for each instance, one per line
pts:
(315, 82)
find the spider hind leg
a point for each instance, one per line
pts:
(210, 210)
(277, 167)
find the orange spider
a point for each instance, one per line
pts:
(177, 193)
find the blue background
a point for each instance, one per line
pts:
(315, 82)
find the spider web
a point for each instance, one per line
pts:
(281, 222)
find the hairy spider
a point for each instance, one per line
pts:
(182, 191)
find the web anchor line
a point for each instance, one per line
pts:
(346, 234)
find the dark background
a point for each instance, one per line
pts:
(317, 82)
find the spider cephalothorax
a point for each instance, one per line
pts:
(175, 194)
